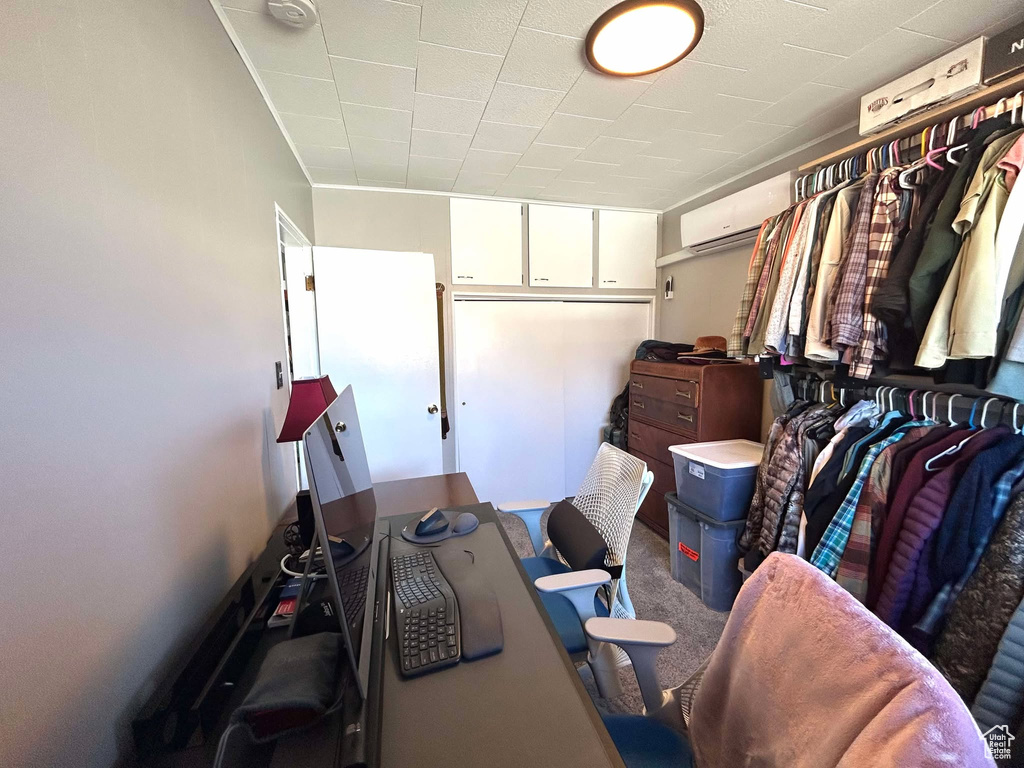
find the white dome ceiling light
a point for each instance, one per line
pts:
(294, 13)
(637, 37)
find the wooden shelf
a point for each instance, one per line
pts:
(986, 97)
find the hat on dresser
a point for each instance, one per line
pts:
(705, 345)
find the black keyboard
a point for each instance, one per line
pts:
(426, 614)
(352, 582)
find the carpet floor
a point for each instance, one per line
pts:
(656, 597)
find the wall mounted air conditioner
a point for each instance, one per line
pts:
(733, 221)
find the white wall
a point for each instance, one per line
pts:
(706, 295)
(141, 319)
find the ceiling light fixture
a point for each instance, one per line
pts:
(637, 37)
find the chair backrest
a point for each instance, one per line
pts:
(610, 495)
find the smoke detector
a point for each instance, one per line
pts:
(294, 13)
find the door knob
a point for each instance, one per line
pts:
(431, 408)
(340, 426)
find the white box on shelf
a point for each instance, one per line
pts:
(949, 76)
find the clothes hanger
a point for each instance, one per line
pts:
(984, 411)
(954, 449)
(976, 117)
(1015, 427)
(949, 409)
(910, 401)
(1013, 114)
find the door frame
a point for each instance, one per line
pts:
(283, 221)
(512, 296)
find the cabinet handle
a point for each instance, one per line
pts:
(464, 277)
(539, 279)
(634, 436)
(685, 417)
(687, 395)
(636, 384)
(638, 404)
(609, 281)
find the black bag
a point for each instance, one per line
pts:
(656, 351)
(618, 415)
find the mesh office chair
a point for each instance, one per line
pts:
(609, 497)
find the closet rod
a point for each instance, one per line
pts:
(912, 126)
(965, 409)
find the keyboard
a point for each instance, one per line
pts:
(426, 614)
(352, 582)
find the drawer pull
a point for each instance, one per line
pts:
(634, 436)
(636, 384)
(685, 417)
(638, 404)
(687, 395)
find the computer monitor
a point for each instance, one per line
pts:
(345, 512)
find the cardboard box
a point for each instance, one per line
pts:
(1004, 54)
(946, 78)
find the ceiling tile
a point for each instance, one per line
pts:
(484, 161)
(445, 71)
(369, 150)
(523, 175)
(646, 123)
(750, 135)
(521, 104)
(367, 182)
(671, 140)
(302, 95)
(378, 122)
(255, 6)
(376, 85)
(719, 114)
(442, 113)
(684, 85)
(700, 160)
(646, 165)
(596, 95)
(581, 170)
(280, 48)
(322, 131)
(332, 175)
(571, 130)
(486, 26)
(434, 167)
(543, 60)
(325, 157)
(805, 102)
(429, 183)
(477, 183)
(371, 30)
(549, 156)
(893, 54)
(504, 137)
(438, 144)
(790, 67)
(521, 191)
(958, 20)
(380, 172)
(608, 149)
(573, 18)
(568, 188)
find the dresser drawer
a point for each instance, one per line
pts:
(654, 510)
(681, 417)
(670, 390)
(653, 441)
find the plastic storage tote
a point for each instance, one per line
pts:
(704, 554)
(717, 478)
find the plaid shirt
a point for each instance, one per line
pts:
(736, 346)
(856, 561)
(881, 238)
(845, 320)
(830, 549)
(928, 624)
(772, 263)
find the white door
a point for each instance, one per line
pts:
(509, 393)
(600, 341)
(487, 241)
(627, 248)
(298, 266)
(377, 322)
(561, 246)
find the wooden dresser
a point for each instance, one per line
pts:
(675, 403)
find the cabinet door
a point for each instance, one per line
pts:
(627, 246)
(487, 242)
(509, 391)
(561, 246)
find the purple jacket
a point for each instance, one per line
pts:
(919, 524)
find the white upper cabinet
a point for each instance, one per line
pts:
(627, 248)
(561, 246)
(487, 242)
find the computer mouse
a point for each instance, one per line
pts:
(432, 523)
(465, 523)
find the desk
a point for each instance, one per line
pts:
(521, 708)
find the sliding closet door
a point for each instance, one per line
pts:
(600, 341)
(509, 395)
(377, 322)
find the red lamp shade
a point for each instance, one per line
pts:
(310, 398)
